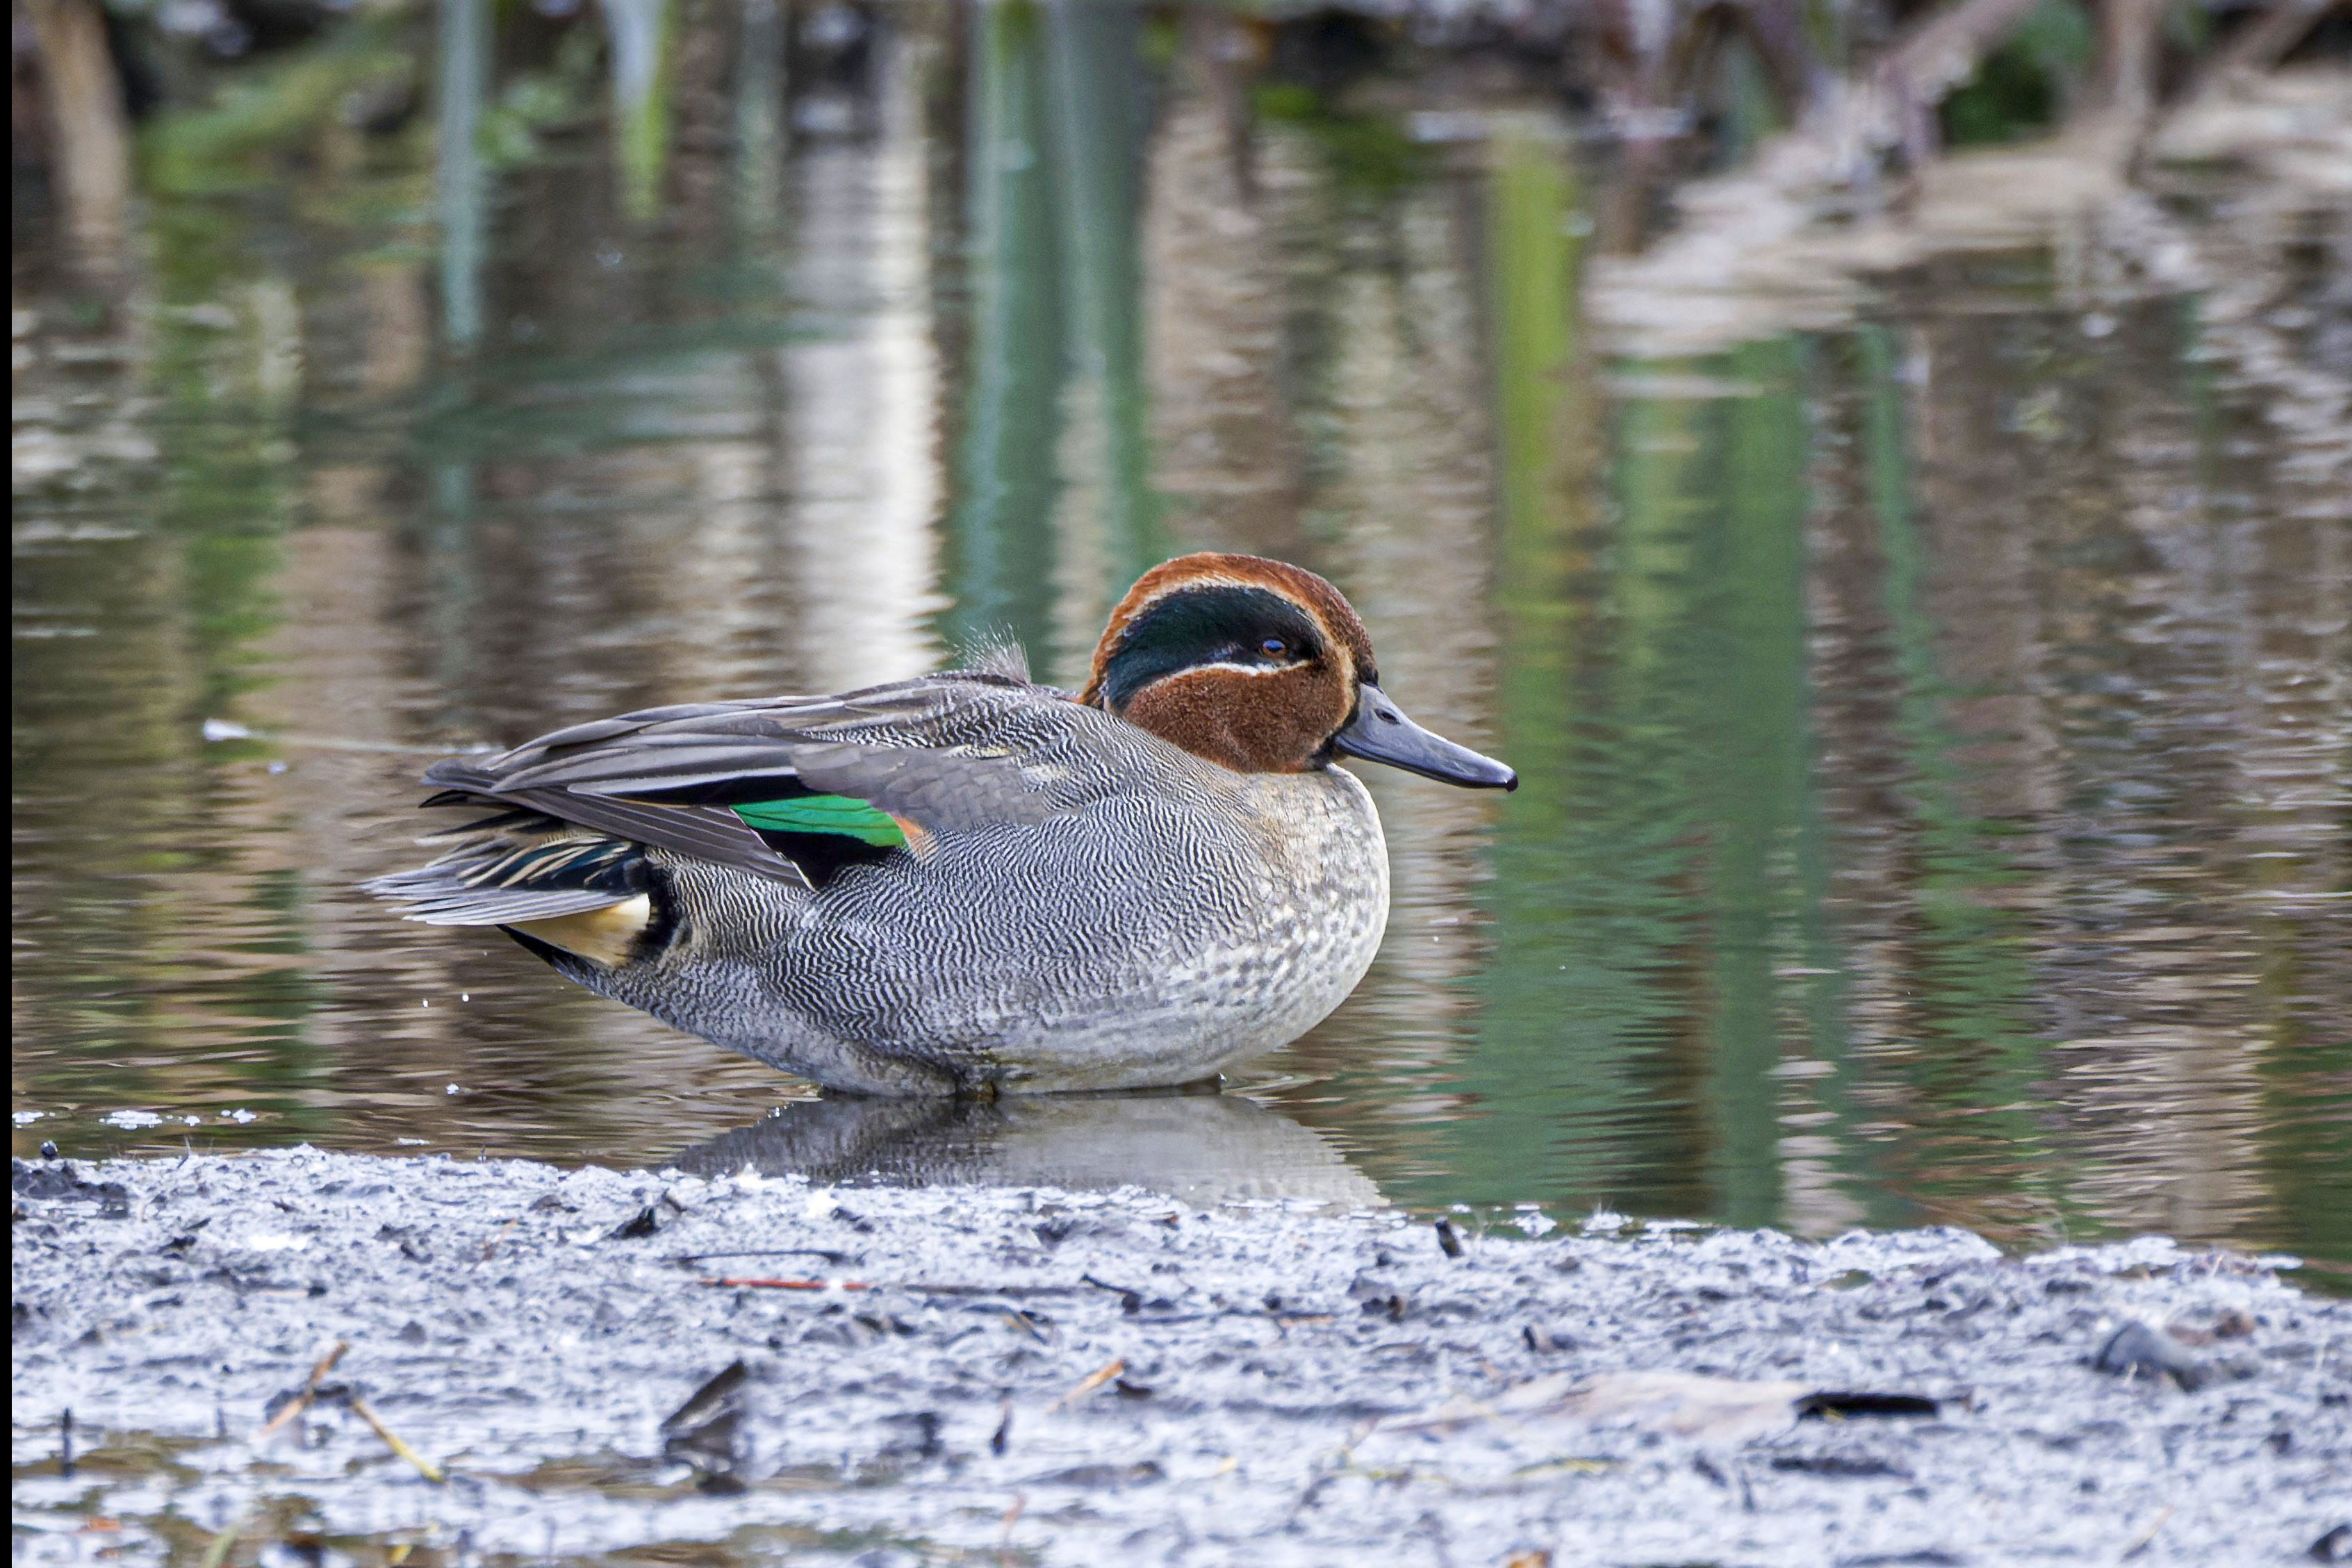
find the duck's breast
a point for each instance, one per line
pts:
(1211, 938)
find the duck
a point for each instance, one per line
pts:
(970, 883)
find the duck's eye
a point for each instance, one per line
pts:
(1274, 647)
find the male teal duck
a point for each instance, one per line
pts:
(970, 883)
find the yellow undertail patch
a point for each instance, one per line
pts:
(607, 935)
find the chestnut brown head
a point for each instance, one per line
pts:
(1261, 667)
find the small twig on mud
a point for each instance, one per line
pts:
(1026, 1325)
(301, 1402)
(788, 1284)
(1129, 1301)
(2147, 1535)
(490, 1247)
(828, 1255)
(1090, 1382)
(424, 1467)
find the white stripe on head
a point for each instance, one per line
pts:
(1238, 669)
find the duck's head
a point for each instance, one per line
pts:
(1262, 668)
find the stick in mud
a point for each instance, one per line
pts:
(1015, 1318)
(424, 1467)
(301, 1402)
(2147, 1535)
(1090, 1382)
(490, 1247)
(1129, 1301)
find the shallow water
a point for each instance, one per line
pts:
(1935, 724)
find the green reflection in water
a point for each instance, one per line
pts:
(1749, 638)
(1969, 958)
(150, 945)
(1652, 872)
(292, 99)
(759, 119)
(2307, 1130)
(999, 540)
(1372, 159)
(460, 181)
(230, 406)
(1099, 115)
(1052, 410)
(1523, 1053)
(643, 39)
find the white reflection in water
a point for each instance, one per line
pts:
(860, 423)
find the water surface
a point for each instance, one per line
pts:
(1933, 727)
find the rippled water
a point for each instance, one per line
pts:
(1934, 723)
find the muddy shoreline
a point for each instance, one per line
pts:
(1041, 1375)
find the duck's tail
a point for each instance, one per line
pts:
(546, 881)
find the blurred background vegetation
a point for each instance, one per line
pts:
(179, 96)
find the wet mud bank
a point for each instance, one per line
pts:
(543, 1365)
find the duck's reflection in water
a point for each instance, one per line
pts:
(1199, 1148)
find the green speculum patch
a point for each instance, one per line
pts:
(838, 814)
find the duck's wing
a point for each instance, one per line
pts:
(947, 753)
(786, 788)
